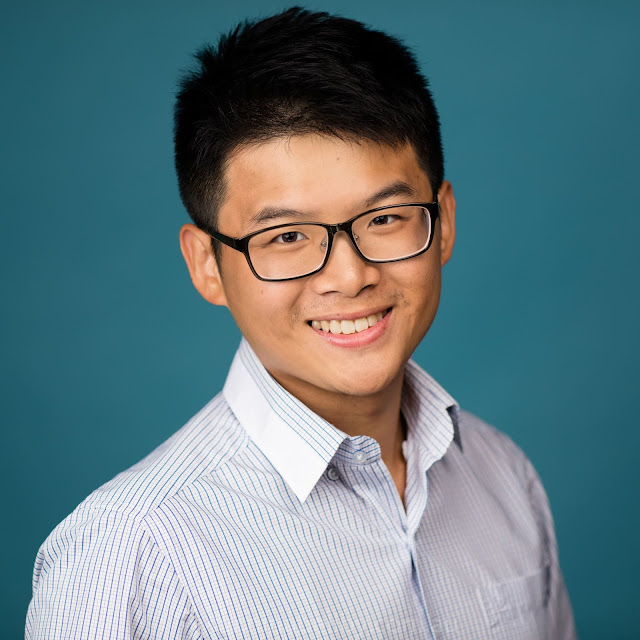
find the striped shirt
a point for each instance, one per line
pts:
(258, 519)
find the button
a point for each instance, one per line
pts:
(359, 456)
(332, 473)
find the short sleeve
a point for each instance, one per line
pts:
(103, 576)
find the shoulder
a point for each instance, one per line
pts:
(120, 507)
(207, 440)
(490, 451)
(478, 433)
(108, 540)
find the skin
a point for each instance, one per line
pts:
(356, 389)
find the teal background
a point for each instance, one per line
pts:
(107, 349)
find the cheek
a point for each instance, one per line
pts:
(262, 308)
(419, 281)
(420, 291)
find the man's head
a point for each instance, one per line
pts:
(309, 118)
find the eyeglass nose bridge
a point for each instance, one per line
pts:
(333, 229)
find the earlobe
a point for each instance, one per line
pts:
(195, 245)
(447, 221)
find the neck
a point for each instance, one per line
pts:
(377, 416)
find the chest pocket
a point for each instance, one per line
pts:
(517, 609)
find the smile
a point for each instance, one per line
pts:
(346, 327)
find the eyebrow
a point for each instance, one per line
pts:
(397, 188)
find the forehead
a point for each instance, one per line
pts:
(325, 176)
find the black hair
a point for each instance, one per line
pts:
(295, 73)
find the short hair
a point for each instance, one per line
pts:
(295, 73)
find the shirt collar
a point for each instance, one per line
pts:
(300, 444)
(431, 415)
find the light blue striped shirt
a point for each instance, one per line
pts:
(258, 519)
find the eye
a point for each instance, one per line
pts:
(384, 219)
(289, 237)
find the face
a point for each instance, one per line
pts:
(326, 180)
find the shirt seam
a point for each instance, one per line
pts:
(167, 558)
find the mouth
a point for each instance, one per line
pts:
(350, 326)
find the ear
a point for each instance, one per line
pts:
(195, 245)
(447, 221)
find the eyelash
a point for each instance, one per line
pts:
(284, 234)
(384, 215)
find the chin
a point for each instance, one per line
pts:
(363, 384)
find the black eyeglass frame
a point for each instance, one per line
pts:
(242, 244)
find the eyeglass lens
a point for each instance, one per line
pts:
(299, 249)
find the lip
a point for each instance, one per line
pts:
(352, 316)
(361, 339)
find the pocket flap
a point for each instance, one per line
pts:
(514, 598)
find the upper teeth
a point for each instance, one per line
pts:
(347, 326)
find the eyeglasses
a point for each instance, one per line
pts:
(385, 234)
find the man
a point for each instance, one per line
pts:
(333, 489)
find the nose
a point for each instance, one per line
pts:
(345, 272)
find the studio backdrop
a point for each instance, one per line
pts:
(107, 349)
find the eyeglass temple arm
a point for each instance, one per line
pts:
(234, 243)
